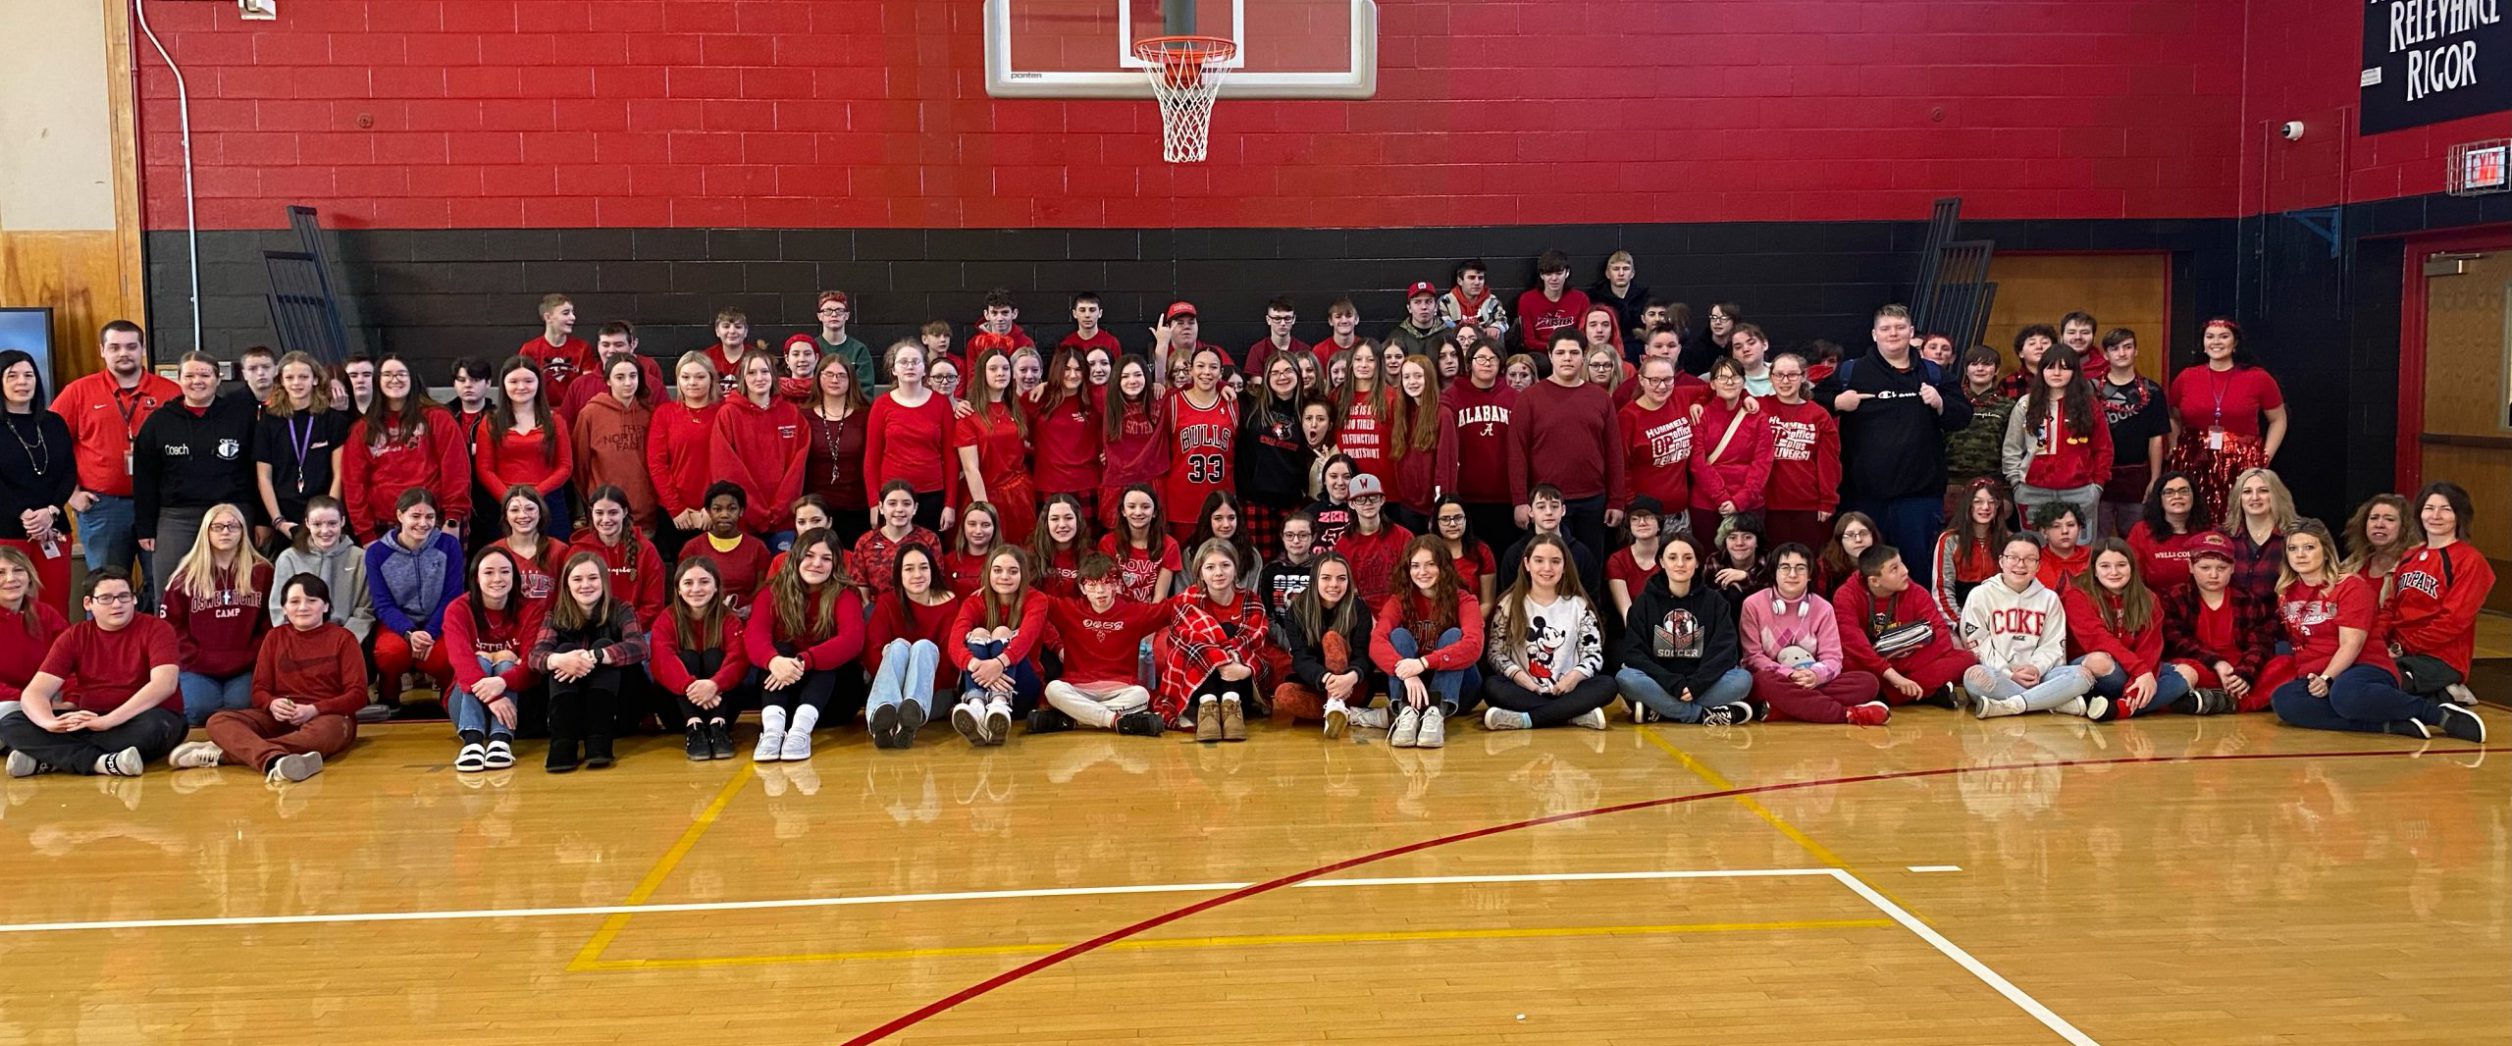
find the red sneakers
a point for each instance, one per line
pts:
(1872, 713)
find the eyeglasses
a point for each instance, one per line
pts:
(1792, 568)
(2029, 557)
(114, 598)
(225, 527)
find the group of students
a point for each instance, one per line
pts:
(768, 532)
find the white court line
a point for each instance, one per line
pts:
(1924, 868)
(841, 902)
(1978, 969)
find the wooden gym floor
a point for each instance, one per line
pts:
(1938, 881)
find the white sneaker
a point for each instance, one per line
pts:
(1593, 719)
(797, 746)
(1338, 718)
(295, 767)
(1407, 730)
(998, 721)
(2460, 694)
(1370, 718)
(969, 718)
(194, 755)
(1999, 707)
(2075, 706)
(771, 747)
(1434, 732)
(500, 754)
(1497, 718)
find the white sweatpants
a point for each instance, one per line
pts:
(1097, 707)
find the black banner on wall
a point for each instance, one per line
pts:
(2426, 61)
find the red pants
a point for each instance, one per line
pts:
(51, 571)
(392, 658)
(1935, 665)
(256, 738)
(2276, 673)
(1827, 703)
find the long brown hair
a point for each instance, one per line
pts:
(1001, 612)
(1836, 561)
(2137, 605)
(1417, 419)
(1444, 611)
(1310, 610)
(1962, 530)
(278, 405)
(2077, 396)
(567, 615)
(1118, 406)
(805, 615)
(1055, 397)
(1382, 401)
(856, 399)
(972, 388)
(1043, 546)
(698, 630)
(382, 420)
(503, 419)
(1509, 619)
(2359, 547)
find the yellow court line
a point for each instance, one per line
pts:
(1719, 782)
(1240, 941)
(591, 954)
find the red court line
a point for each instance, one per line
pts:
(927, 1011)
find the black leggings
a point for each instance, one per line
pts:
(837, 693)
(1549, 709)
(702, 664)
(587, 707)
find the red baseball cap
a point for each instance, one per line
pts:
(2211, 544)
(1177, 309)
(1421, 289)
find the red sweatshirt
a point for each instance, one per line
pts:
(321, 666)
(2438, 593)
(536, 580)
(507, 458)
(1409, 610)
(23, 644)
(1067, 442)
(1739, 472)
(221, 632)
(909, 443)
(509, 631)
(1539, 318)
(918, 621)
(1805, 457)
(844, 644)
(377, 466)
(664, 658)
(741, 571)
(1376, 559)
(636, 572)
(2164, 560)
(1362, 434)
(1853, 606)
(2137, 652)
(1422, 475)
(2059, 568)
(1104, 647)
(762, 449)
(1657, 451)
(963, 572)
(2063, 459)
(1027, 632)
(561, 365)
(679, 452)
(1566, 437)
(1482, 418)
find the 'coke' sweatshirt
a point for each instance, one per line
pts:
(2004, 627)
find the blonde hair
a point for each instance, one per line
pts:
(714, 380)
(2280, 501)
(196, 574)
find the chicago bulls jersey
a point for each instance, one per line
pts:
(1201, 441)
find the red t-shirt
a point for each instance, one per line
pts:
(104, 417)
(1066, 440)
(1624, 567)
(1138, 571)
(1361, 436)
(99, 670)
(2313, 614)
(1476, 562)
(1100, 340)
(1260, 355)
(909, 443)
(1140, 452)
(1376, 559)
(2229, 400)
(740, 571)
(1539, 318)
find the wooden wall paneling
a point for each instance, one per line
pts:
(2121, 290)
(80, 275)
(78, 355)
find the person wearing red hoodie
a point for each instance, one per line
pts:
(405, 440)
(2058, 446)
(557, 354)
(680, 450)
(994, 643)
(2436, 594)
(488, 629)
(618, 341)
(1892, 628)
(760, 444)
(2115, 633)
(1427, 639)
(911, 623)
(610, 432)
(636, 568)
(1731, 452)
(1551, 307)
(1804, 489)
(524, 446)
(1099, 636)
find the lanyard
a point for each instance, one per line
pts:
(130, 432)
(300, 446)
(2221, 380)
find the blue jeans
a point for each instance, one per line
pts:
(2168, 686)
(108, 533)
(205, 696)
(1451, 684)
(1026, 686)
(471, 714)
(2058, 686)
(1908, 523)
(561, 522)
(1638, 686)
(2362, 698)
(906, 674)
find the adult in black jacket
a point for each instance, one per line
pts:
(191, 455)
(1326, 631)
(37, 475)
(1894, 411)
(1680, 654)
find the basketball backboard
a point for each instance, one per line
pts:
(1085, 48)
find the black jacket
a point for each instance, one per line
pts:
(36, 469)
(1308, 662)
(182, 460)
(1680, 641)
(1893, 445)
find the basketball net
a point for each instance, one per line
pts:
(1186, 74)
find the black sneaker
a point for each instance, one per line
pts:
(1734, 714)
(2105, 709)
(911, 718)
(1044, 720)
(2410, 728)
(884, 726)
(2463, 724)
(1941, 697)
(697, 747)
(719, 741)
(1138, 724)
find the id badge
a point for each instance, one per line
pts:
(130, 462)
(2215, 439)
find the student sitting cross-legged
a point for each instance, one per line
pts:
(1099, 636)
(1680, 656)
(112, 675)
(1326, 629)
(1546, 649)
(308, 683)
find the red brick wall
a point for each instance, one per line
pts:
(872, 113)
(2304, 57)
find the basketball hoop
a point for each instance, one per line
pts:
(1186, 74)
